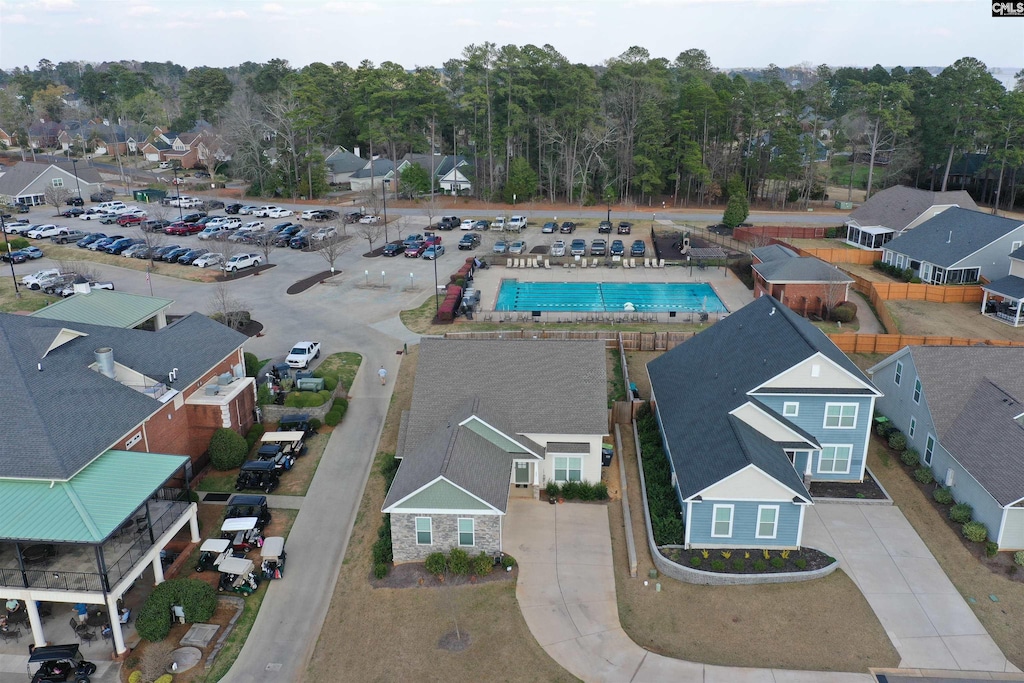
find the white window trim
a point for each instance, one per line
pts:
(471, 532)
(795, 406)
(430, 523)
(57, 182)
(775, 524)
(849, 459)
(567, 468)
(928, 453)
(898, 376)
(714, 519)
(856, 414)
(918, 391)
(913, 427)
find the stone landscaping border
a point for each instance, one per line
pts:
(239, 605)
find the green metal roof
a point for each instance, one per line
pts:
(90, 506)
(105, 307)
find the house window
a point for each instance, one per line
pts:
(424, 535)
(835, 459)
(466, 535)
(929, 448)
(767, 521)
(58, 182)
(568, 468)
(790, 409)
(913, 428)
(840, 415)
(721, 525)
(917, 391)
(899, 373)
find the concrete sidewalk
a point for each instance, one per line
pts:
(925, 617)
(566, 591)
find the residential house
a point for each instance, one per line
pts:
(957, 246)
(374, 174)
(753, 410)
(99, 136)
(492, 419)
(962, 409)
(25, 182)
(184, 148)
(896, 210)
(1002, 297)
(110, 425)
(6, 139)
(452, 174)
(805, 284)
(44, 134)
(341, 164)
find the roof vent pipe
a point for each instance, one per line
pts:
(105, 361)
(950, 238)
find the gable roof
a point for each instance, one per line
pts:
(105, 307)
(773, 252)
(699, 382)
(800, 269)
(24, 173)
(67, 414)
(381, 168)
(971, 230)
(343, 161)
(899, 206)
(973, 401)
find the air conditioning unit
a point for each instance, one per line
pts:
(212, 389)
(238, 371)
(225, 379)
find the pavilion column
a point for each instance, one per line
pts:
(158, 570)
(984, 300)
(193, 522)
(38, 637)
(161, 320)
(115, 625)
(1016, 315)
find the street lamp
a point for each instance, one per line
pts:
(387, 183)
(74, 165)
(437, 303)
(3, 228)
(177, 189)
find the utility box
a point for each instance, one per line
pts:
(310, 384)
(844, 206)
(149, 196)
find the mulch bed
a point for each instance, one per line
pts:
(414, 575)
(252, 328)
(245, 272)
(868, 489)
(304, 284)
(815, 559)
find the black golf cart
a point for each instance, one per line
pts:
(298, 422)
(59, 663)
(248, 505)
(258, 474)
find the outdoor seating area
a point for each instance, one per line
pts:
(1007, 311)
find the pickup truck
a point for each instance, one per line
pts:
(302, 354)
(67, 235)
(33, 281)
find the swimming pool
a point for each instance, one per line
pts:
(608, 296)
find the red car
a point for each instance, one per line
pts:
(130, 219)
(415, 250)
(179, 228)
(432, 239)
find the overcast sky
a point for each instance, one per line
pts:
(427, 32)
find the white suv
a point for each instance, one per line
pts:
(239, 261)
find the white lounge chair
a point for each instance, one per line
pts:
(661, 263)
(583, 263)
(647, 263)
(547, 264)
(508, 263)
(593, 263)
(632, 263)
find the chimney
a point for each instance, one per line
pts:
(355, 150)
(105, 361)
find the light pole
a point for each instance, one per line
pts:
(177, 190)
(437, 304)
(386, 183)
(74, 165)
(3, 228)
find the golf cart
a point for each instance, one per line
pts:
(212, 552)
(273, 556)
(298, 422)
(243, 533)
(258, 474)
(59, 663)
(237, 575)
(248, 505)
(281, 448)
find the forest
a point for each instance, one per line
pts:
(636, 128)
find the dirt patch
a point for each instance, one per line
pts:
(414, 575)
(245, 272)
(867, 489)
(454, 641)
(303, 285)
(949, 320)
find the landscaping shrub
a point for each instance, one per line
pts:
(314, 424)
(924, 475)
(845, 312)
(482, 564)
(897, 441)
(263, 396)
(600, 491)
(380, 570)
(552, 489)
(991, 549)
(1018, 557)
(760, 565)
(135, 677)
(330, 383)
(974, 531)
(577, 490)
(910, 457)
(153, 662)
(695, 561)
(197, 598)
(777, 562)
(227, 449)
(255, 433)
(458, 561)
(884, 429)
(717, 565)
(388, 470)
(19, 243)
(961, 513)
(340, 406)
(383, 551)
(332, 418)
(942, 496)
(252, 364)
(507, 562)
(737, 565)
(166, 678)
(800, 563)
(571, 490)
(662, 502)
(435, 563)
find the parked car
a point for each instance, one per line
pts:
(232, 208)
(239, 261)
(415, 250)
(213, 233)
(201, 174)
(180, 228)
(300, 240)
(325, 215)
(470, 241)
(134, 250)
(41, 231)
(302, 354)
(558, 248)
(101, 196)
(625, 227)
(432, 238)
(467, 224)
(323, 234)
(499, 223)
(518, 247)
(638, 248)
(107, 218)
(74, 201)
(604, 227)
(433, 251)
(517, 223)
(103, 243)
(65, 235)
(567, 228)
(271, 211)
(449, 223)
(211, 204)
(118, 246)
(154, 225)
(284, 236)
(14, 257)
(369, 220)
(89, 239)
(33, 252)
(413, 238)
(393, 249)
(482, 225)
(193, 217)
(247, 210)
(549, 227)
(127, 219)
(598, 247)
(93, 285)
(72, 212)
(158, 253)
(173, 255)
(244, 236)
(352, 217)
(253, 225)
(191, 255)
(12, 227)
(211, 259)
(21, 208)
(33, 281)
(578, 247)
(617, 248)
(500, 247)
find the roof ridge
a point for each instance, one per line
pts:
(83, 513)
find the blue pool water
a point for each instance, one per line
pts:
(608, 296)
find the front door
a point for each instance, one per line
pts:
(522, 474)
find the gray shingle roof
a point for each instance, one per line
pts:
(22, 174)
(1011, 286)
(699, 382)
(67, 414)
(899, 206)
(343, 161)
(381, 167)
(971, 230)
(773, 252)
(803, 269)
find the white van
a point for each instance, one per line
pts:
(164, 165)
(111, 207)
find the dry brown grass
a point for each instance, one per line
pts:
(828, 625)
(954, 320)
(72, 254)
(294, 482)
(1001, 619)
(393, 634)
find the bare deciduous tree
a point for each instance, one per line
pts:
(332, 248)
(56, 196)
(371, 232)
(834, 290)
(372, 201)
(226, 308)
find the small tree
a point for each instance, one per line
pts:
(371, 232)
(56, 196)
(331, 249)
(736, 210)
(373, 201)
(522, 181)
(226, 308)
(415, 180)
(228, 449)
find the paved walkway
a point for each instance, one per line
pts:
(927, 620)
(566, 591)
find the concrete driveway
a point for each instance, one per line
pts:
(925, 617)
(566, 591)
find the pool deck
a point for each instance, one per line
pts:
(730, 290)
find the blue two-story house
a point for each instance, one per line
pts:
(752, 410)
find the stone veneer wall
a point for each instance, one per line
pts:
(487, 535)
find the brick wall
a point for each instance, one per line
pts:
(445, 536)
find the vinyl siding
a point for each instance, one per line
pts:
(1013, 530)
(993, 260)
(442, 495)
(744, 525)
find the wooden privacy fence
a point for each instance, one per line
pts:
(837, 255)
(759, 232)
(891, 343)
(631, 341)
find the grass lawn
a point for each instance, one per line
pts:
(69, 255)
(840, 175)
(294, 482)
(341, 366)
(501, 647)
(30, 300)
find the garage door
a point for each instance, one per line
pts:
(1013, 530)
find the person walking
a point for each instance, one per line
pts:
(383, 374)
